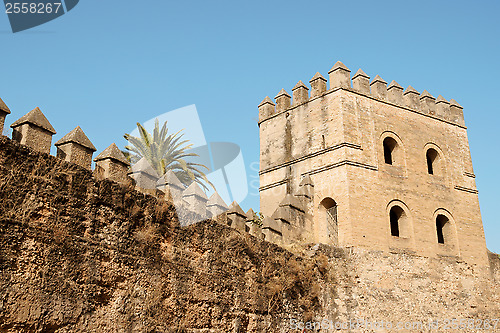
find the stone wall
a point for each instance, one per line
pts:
(81, 255)
(33, 136)
(337, 139)
(390, 287)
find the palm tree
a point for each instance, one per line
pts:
(166, 152)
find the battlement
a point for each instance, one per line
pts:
(340, 78)
(365, 150)
(192, 204)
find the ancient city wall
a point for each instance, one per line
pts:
(79, 254)
(336, 137)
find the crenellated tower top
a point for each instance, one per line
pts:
(393, 93)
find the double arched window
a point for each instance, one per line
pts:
(393, 154)
(400, 226)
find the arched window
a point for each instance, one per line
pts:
(330, 207)
(443, 229)
(446, 233)
(396, 216)
(390, 146)
(432, 160)
(399, 222)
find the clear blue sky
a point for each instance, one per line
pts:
(108, 64)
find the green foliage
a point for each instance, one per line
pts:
(258, 218)
(166, 152)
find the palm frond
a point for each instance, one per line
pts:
(166, 152)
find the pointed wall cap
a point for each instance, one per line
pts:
(441, 99)
(378, 79)
(113, 153)
(76, 136)
(282, 93)
(300, 84)
(360, 73)
(411, 90)
(234, 208)
(455, 103)
(339, 65)
(317, 76)
(270, 223)
(303, 191)
(426, 94)
(143, 165)
(170, 178)
(194, 189)
(216, 200)
(4, 107)
(394, 84)
(250, 214)
(266, 100)
(290, 200)
(306, 181)
(35, 117)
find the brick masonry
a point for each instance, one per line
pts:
(337, 139)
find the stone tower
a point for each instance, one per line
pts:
(367, 164)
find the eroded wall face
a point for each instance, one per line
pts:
(2, 121)
(110, 169)
(288, 139)
(338, 138)
(449, 191)
(33, 136)
(75, 153)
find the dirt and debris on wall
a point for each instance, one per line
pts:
(81, 255)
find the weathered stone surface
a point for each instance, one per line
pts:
(442, 108)
(395, 93)
(300, 93)
(338, 139)
(81, 255)
(318, 85)
(33, 130)
(378, 87)
(4, 107)
(266, 108)
(252, 224)
(361, 82)
(283, 100)
(196, 199)
(35, 117)
(112, 164)
(113, 153)
(4, 111)
(411, 98)
(339, 76)
(144, 176)
(216, 205)
(236, 216)
(428, 103)
(456, 112)
(76, 148)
